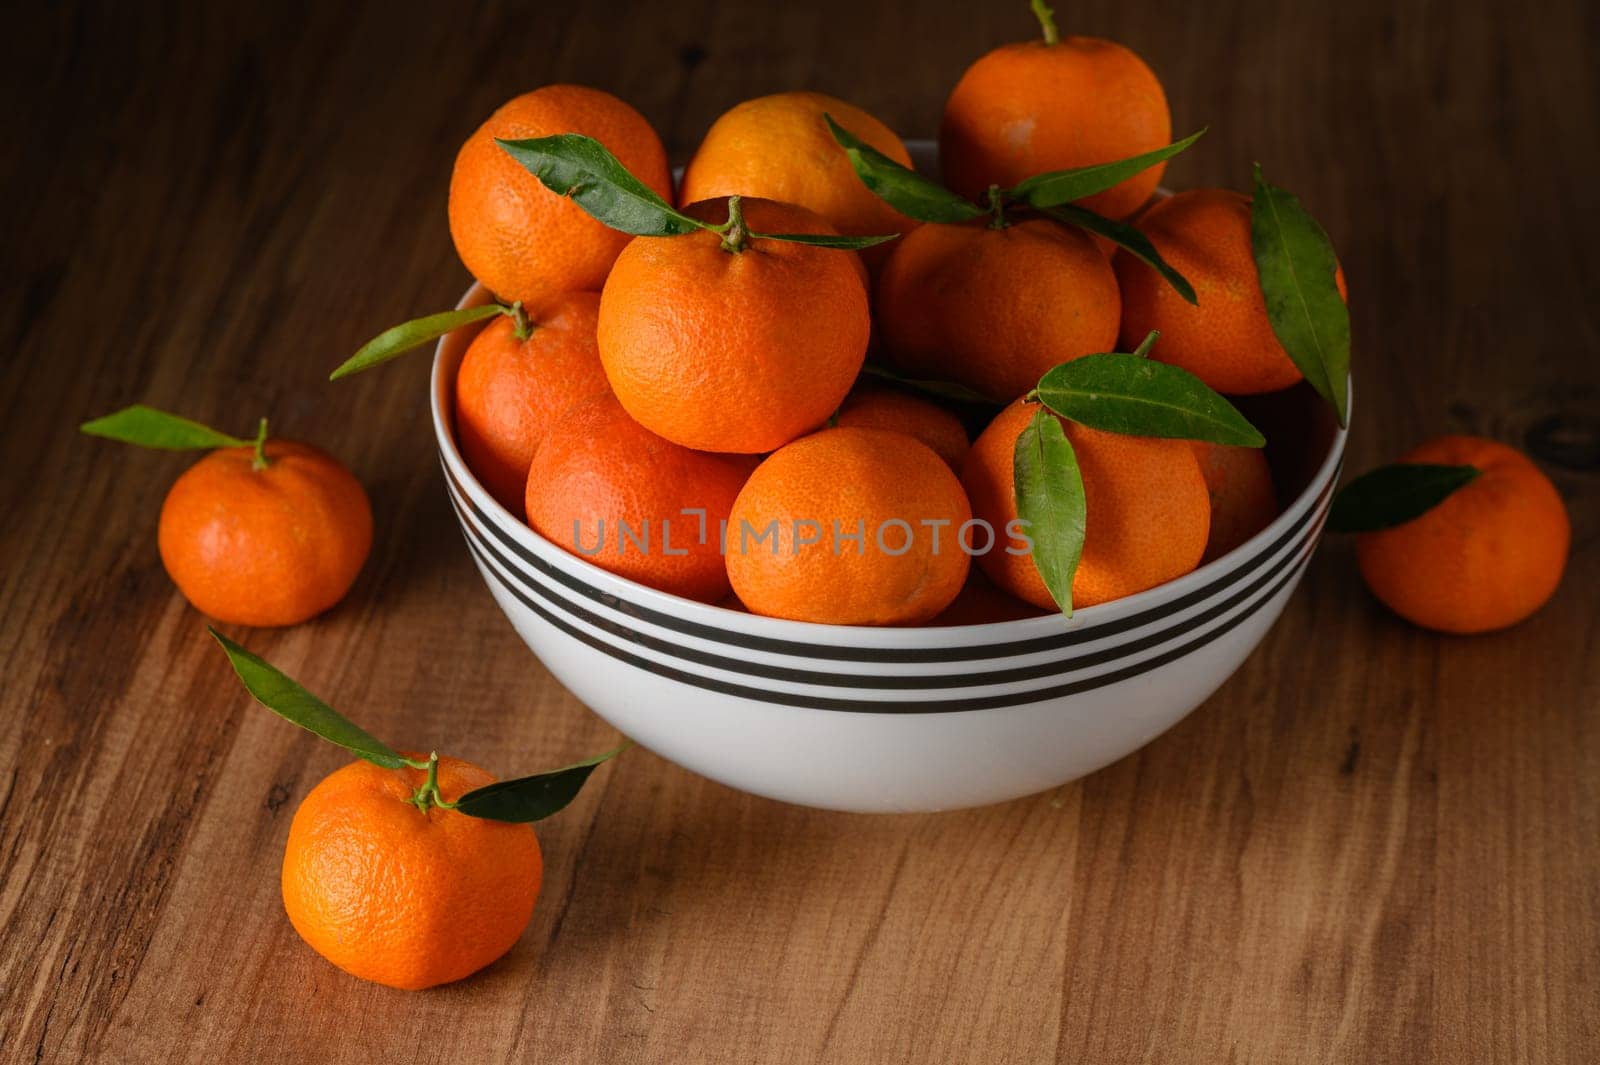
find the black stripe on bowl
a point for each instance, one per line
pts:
(898, 706)
(520, 582)
(883, 655)
(874, 706)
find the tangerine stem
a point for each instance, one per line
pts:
(521, 328)
(734, 239)
(260, 461)
(1143, 350)
(997, 208)
(428, 794)
(1047, 21)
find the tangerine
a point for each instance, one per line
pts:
(1226, 339)
(1058, 104)
(849, 526)
(1243, 501)
(1486, 557)
(993, 309)
(779, 147)
(606, 488)
(265, 545)
(510, 390)
(521, 240)
(1148, 511)
(401, 895)
(741, 346)
(871, 406)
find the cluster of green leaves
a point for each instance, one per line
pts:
(1117, 393)
(1052, 194)
(1295, 262)
(530, 798)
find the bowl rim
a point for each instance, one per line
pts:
(625, 591)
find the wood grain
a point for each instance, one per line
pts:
(1373, 844)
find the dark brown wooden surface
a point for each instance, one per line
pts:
(1374, 844)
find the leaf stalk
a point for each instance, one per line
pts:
(428, 794)
(736, 236)
(260, 461)
(1047, 21)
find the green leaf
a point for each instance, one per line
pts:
(532, 798)
(407, 335)
(570, 164)
(1127, 237)
(1393, 495)
(826, 240)
(1049, 490)
(901, 187)
(148, 427)
(1064, 186)
(289, 700)
(1296, 265)
(1137, 396)
(941, 389)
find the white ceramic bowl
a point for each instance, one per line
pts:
(895, 719)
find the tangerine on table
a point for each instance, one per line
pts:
(405, 897)
(1033, 107)
(1243, 501)
(1226, 339)
(1148, 519)
(521, 240)
(835, 528)
(779, 147)
(736, 351)
(992, 308)
(510, 391)
(271, 546)
(606, 488)
(872, 406)
(1486, 557)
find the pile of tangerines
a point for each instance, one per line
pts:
(760, 389)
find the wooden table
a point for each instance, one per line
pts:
(1373, 844)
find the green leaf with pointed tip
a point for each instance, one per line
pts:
(941, 389)
(570, 164)
(826, 240)
(1064, 186)
(1296, 265)
(148, 427)
(1049, 491)
(286, 698)
(532, 798)
(1137, 396)
(1393, 495)
(407, 335)
(901, 187)
(1127, 237)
